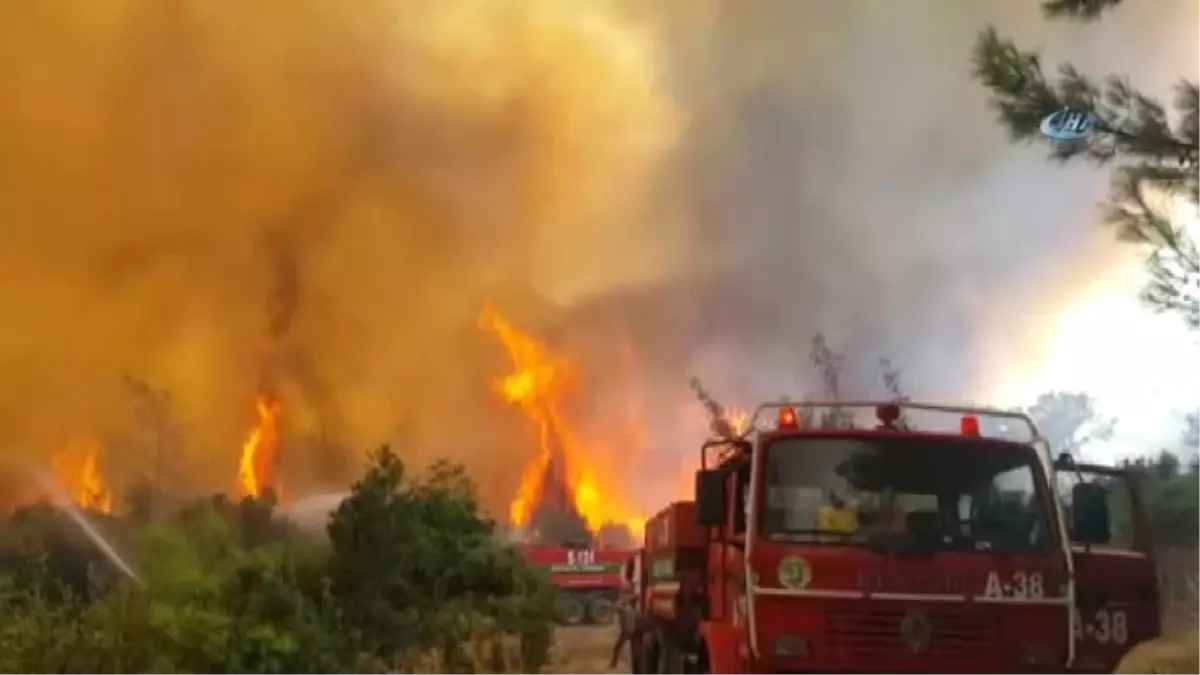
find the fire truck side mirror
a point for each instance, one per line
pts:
(710, 497)
(1090, 522)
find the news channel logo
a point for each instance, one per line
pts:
(1070, 125)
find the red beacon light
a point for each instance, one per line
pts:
(887, 414)
(787, 419)
(969, 425)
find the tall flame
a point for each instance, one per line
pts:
(533, 386)
(537, 385)
(256, 466)
(77, 469)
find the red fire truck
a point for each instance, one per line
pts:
(895, 548)
(588, 579)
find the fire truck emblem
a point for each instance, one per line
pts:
(916, 631)
(794, 572)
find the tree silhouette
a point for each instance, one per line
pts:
(829, 364)
(1154, 160)
(1069, 421)
(1191, 432)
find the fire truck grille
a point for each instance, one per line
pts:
(880, 634)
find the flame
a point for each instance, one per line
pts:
(738, 419)
(259, 452)
(77, 469)
(537, 385)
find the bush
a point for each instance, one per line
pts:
(414, 577)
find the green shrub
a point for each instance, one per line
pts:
(414, 576)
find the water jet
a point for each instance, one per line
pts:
(64, 502)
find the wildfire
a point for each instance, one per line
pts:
(537, 385)
(257, 464)
(77, 469)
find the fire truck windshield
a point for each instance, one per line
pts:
(920, 493)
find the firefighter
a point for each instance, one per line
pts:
(631, 625)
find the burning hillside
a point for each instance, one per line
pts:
(566, 490)
(371, 171)
(76, 467)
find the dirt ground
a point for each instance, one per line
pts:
(1175, 653)
(586, 649)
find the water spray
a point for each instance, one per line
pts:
(56, 489)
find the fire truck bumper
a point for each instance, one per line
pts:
(873, 637)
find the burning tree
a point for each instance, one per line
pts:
(562, 495)
(77, 469)
(259, 460)
(260, 452)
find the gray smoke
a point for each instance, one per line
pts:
(842, 174)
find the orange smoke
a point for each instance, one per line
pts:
(77, 469)
(256, 467)
(538, 385)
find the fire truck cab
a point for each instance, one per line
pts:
(895, 547)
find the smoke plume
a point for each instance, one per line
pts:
(222, 197)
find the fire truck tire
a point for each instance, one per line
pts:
(600, 611)
(670, 658)
(570, 610)
(699, 662)
(649, 660)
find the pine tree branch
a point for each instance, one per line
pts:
(1133, 123)
(1174, 262)
(1079, 10)
(1154, 156)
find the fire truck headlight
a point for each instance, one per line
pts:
(790, 645)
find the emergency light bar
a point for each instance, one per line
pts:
(787, 419)
(887, 413)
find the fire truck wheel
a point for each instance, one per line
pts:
(698, 662)
(649, 662)
(571, 611)
(670, 659)
(600, 611)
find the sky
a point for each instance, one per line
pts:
(1147, 380)
(1140, 365)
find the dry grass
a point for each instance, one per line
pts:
(585, 649)
(581, 649)
(1178, 650)
(588, 649)
(1171, 653)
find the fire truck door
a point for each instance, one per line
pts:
(1116, 591)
